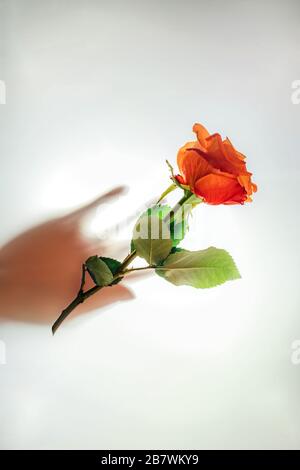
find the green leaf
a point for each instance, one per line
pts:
(178, 228)
(167, 191)
(99, 271)
(158, 210)
(114, 266)
(200, 269)
(151, 236)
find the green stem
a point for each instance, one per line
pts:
(143, 268)
(77, 301)
(129, 258)
(171, 216)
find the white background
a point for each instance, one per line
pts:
(99, 93)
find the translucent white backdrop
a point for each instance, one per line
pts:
(98, 94)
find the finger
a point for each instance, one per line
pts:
(82, 211)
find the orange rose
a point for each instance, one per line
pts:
(214, 170)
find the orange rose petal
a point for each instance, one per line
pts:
(222, 155)
(193, 166)
(254, 187)
(245, 181)
(228, 143)
(234, 157)
(181, 155)
(220, 189)
(201, 134)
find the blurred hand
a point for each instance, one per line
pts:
(40, 269)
